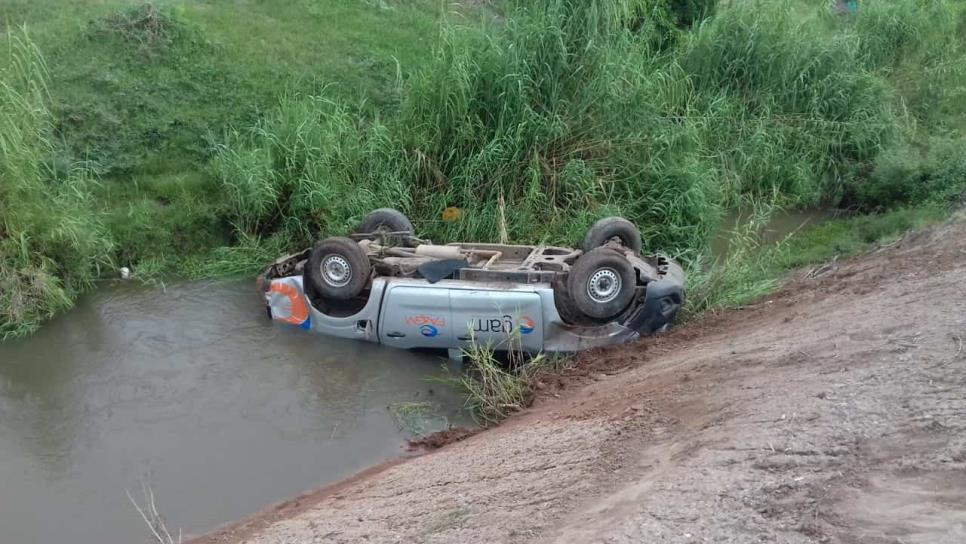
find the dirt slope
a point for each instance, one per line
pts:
(833, 412)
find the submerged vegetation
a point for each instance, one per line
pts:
(217, 155)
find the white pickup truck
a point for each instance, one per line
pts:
(382, 284)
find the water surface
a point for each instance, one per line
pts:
(779, 225)
(193, 388)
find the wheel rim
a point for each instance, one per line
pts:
(336, 270)
(604, 286)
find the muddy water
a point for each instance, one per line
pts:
(193, 389)
(778, 226)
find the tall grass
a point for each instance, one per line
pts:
(495, 385)
(568, 111)
(51, 243)
(311, 166)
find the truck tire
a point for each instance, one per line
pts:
(566, 308)
(337, 268)
(602, 283)
(613, 228)
(386, 220)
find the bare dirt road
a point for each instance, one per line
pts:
(834, 411)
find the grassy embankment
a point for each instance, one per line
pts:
(567, 111)
(130, 100)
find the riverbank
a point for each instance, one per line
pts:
(829, 412)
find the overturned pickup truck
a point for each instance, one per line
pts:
(382, 284)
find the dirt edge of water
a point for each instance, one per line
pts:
(828, 412)
(437, 440)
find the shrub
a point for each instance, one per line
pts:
(146, 26)
(946, 172)
(498, 384)
(905, 175)
(895, 179)
(313, 166)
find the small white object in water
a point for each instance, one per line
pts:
(125, 272)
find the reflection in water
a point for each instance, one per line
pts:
(226, 411)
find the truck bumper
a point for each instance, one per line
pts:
(662, 301)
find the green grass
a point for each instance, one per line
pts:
(130, 96)
(848, 237)
(141, 94)
(496, 386)
(202, 138)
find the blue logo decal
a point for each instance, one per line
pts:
(307, 324)
(428, 330)
(526, 325)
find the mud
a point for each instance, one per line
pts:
(439, 439)
(833, 411)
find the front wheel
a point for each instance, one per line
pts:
(337, 268)
(602, 283)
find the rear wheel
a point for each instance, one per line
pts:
(613, 229)
(337, 268)
(602, 283)
(386, 220)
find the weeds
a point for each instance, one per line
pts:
(495, 385)
(752, 269)
(740, 275)
(909, 175)
(145, 26)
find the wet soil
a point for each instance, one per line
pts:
(833, 411)
(439, 439)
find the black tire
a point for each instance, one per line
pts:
(386, 220)
(602, 283)
(337, 268)
(566, 308)
(611, 228)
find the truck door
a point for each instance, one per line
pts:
(416, 317)
(497, 318)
